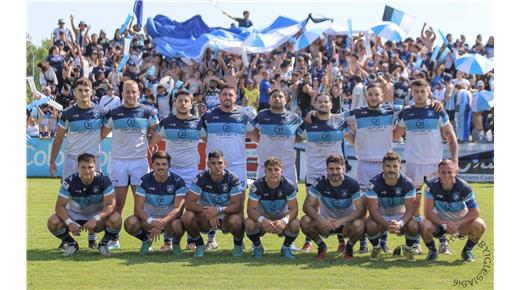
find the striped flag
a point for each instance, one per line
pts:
(398, 17)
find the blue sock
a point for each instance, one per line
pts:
(92, 236)
(189, 239)
(431, 246)
(167, 238)
(308, 239)
(363, 242)
(341, 238)
(237, 241)
(211, 235)
(321, 244)
(383, 238)
(469, 245)
(199, 241)
(255, 238)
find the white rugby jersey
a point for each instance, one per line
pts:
(182, 140)
(129, 130)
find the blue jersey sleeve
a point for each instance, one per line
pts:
(181, 187)
(236, 186)
(107, 185)
(196, 185)
(64, 189)
(253, 192)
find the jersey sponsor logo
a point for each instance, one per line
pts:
(420, 124)
(336, 203)
(278, 129)
(343, 194)
(273, 206)
(383, 192)
(226, 127)
(159, 200)
(169, 188)
(218, 199)
(430, 114)
(375, 121)
(75, 115)
(131, 122)
(87, 124)
(325, 136)
(86, 201)
(280, 194)
(65, 185)
(182, 134)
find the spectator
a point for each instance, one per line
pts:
(110, 100)
(242, 22)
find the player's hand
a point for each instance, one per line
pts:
(279, 226)
(453, 228)
(308, 117)
(53, 168)
(336, 223)
(268, 225)
(328, 224)
(158, 223)
(214, 222)
(74, 228)
(154, 234)
(437, 106)
(209, 212)
(90, 225)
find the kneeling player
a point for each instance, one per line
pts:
(341, 208)
(158, 205)
(450, 207)
(85, 202)
(215, 201)
(390, 198)
(272, 208)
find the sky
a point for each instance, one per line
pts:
(456, 17)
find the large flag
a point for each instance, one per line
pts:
(138, 11)
(398, 17)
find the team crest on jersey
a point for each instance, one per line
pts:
(192, 125)
(239, 118)
(343, 194)
(225, 187)
(95, 189)
(455, 196)
(96, 114)
(169, 188)
(398, 191)
(140, 113)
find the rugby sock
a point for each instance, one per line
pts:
(363, 241)
(110, 234)
(308, 239)
(64, 235)
(199, 241)
(469, 245)
(92, 236)
(189, 239)
(431, 246)
(411, 240)
(383, 238)
(167, 238)
(211, 235)
(237, 241)
(174, 241)
(116, 237)
(255, 238)
(141, 235)
(341, 238)
(321, 244)
(443, 240)
(289, 239)
(374, 240)
(350, 246)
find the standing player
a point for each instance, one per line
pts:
(390, 201)
(341, 208)
(181, 133)
(85, 202)
(130, 125)
(158, 205)
(215, 201)
(450, 207)
(82, 123)
(324, 136)
(272, 208)
(277, 128)
(423, 149)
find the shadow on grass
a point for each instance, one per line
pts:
(303, 260)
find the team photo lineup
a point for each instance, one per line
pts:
(294, 154)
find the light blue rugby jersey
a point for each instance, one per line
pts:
(277, 135)
(160, 196)
(216, 193)
(336, 201)
(129, 130)
(391, 198)
(423, 134)
(273, 202)
(182, 140)
(451, 205)
(83, 128)
(373, 130)
(227, 132)
(85, 200)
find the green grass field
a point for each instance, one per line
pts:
(126, 269)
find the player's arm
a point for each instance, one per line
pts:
(235, 206)
(429, 205)
(155, 139)
(309, 207)
(398, 132)
(449, 133)
(139, 200)
(56, 145)
(350, 137)
(105, 131)
(373, 209)
(109, 202)
(292, 205)
(192, 200)
(358, 213)
(252, 209)
(61, 212)
(178, 206)
(254, 135)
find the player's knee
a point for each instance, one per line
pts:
(250, 225)
(53, 223)
(187, 218)
(426, 226)
(479, 226)
(131, 224)
(177, 227)
(371, 226)
(294, 226)
(358, 226)
(235, 222)
(114, 220)
(412, 228)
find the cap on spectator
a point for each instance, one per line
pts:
(372, 77)
(82, 22)
(59, 42)
(447, 77)
(70, 59)
(61, 21)
(480, 83)
(249, 81)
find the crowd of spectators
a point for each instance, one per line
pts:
(326, 66)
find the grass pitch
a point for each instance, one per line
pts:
(126, 269)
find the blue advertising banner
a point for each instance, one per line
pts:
(39, 153)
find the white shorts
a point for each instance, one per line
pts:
(241, 172)
(186, 173)
(123, 169)
(289, 173)
(417, 172)
(70, 166)
(366, 170)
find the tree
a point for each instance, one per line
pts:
(34, 55)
